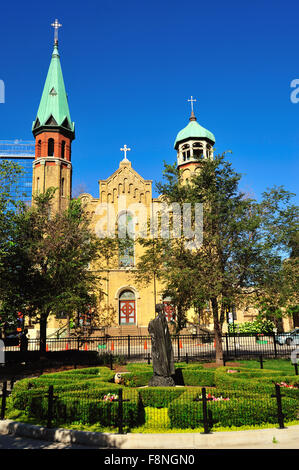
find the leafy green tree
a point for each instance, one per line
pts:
(241, 247)
(9, 205)
(258, 326)
(45, 270)
(278, 296)
(9, 172)
(149, 268)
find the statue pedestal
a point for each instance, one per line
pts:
(160, 381)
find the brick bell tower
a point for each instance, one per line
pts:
(54, 132)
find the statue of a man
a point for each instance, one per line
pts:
(162, 352)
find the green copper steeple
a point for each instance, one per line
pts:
(193, 131)
(54, 110)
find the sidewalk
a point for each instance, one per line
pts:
(273, 438)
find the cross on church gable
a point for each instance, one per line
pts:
(125, 149)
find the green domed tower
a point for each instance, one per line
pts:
(194, 144)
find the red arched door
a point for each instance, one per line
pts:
(127, 308)
(169, 310)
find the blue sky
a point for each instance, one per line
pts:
(129, 68)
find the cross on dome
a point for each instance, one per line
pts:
(56, 25)
(192, 100)
(125, 149)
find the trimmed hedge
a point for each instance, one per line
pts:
(137, 379)
(86, 406)
(262, 383)
(198, 377)
(159, 397)
(79, 396)
(184, 412)
(183, 376)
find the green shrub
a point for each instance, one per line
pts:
(191, 365)
(86, 406)
(79, 396)
(261, 382)
(91, 408)
(240, 411)
(140, 376)
(137, 379)
(159, 397)
(194, 377)
(252, 327)
(140, 367)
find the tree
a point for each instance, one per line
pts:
(46, 267)
(9, 205)
(240, 247)
(9, 172)
(149, 268)
(278, 295)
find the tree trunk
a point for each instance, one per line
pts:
(218, 333)
(43, 334)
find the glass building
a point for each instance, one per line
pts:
(21, 152)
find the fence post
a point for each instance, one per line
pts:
(12, 382)
(226, 343)
(179, 348)
(279, 407)
(3, 401)
(275, 346)
(261, 361)
(205, 411)
(129, 347)
(111, 361)
(120, 411)
(50, 406)
(296, 368)
(235, 349)
(148, 358)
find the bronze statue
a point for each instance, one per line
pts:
(162, 352)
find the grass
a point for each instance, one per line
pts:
(283, 365)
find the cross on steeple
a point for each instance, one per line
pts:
(192, 101)
(125, 149)
(56, 25)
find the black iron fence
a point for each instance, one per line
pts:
(185, 347)
(200, 409)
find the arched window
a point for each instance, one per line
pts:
(51, 147)
(63, 149)
(186, 152)
(127, 308)
(37, 184)
(126, 234)
(39, 149)
(198, 151)
(62, 187)
(208, 151)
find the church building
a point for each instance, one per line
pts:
(54, 131)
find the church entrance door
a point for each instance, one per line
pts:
(127, 308)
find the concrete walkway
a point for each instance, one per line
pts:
(15, 442)
(273, 438)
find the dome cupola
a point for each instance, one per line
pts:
(194, 143)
